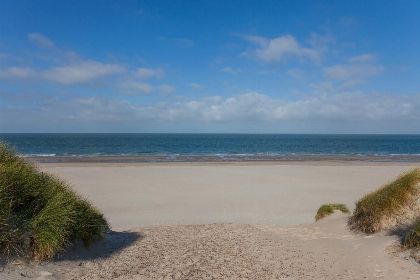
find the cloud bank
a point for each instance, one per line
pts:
(75, 73)
(40, 40)
(355, 71)
(334, 111)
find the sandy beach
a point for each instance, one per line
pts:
(227, 221)
(145, 194)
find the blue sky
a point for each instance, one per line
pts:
(210, 66)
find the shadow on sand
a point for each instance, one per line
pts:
(111, 244)
(400, 232)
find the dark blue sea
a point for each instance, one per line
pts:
(213, 146)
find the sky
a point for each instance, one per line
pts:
(210, 66)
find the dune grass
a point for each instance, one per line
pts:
(394, 204)
(412, 236)
(39, 214)
(328, 209)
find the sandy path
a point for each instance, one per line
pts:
(324, 250)
(133, 195)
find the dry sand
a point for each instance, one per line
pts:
(133, 195)
(226, 221)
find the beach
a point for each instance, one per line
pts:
(238, 220)
(282, 193)
(194, 140)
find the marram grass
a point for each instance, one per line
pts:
(412, 236)
(39, 214)
(328, 209)
(395, 204)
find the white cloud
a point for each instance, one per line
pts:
(321, 42)
(82, 72)
(196, 86)
(357, 70)
(65, 67)
(95, 109)
(149, 73)
(76, 73)
(296, 73)
(17, 72)
(363, 58)
(230, 70)
(279, 49)
(40, 40)
(135, 87)
(166, 89)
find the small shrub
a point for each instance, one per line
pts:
(328, 209)
(396, 203)
(39, 214)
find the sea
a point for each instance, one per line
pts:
(213, 147)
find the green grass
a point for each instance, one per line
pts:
(328, 209)
(39, 214)
(389, 206)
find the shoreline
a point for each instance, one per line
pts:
(227, 159)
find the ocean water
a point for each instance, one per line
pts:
(247, 146)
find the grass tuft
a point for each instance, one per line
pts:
(412, 236)
(39, 214)
(328, 209)
(395, 204)
(411, 240)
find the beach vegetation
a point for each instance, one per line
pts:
(412, 235)
(328, 209)
(395, 204)
(39, 213)
(411, 240)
